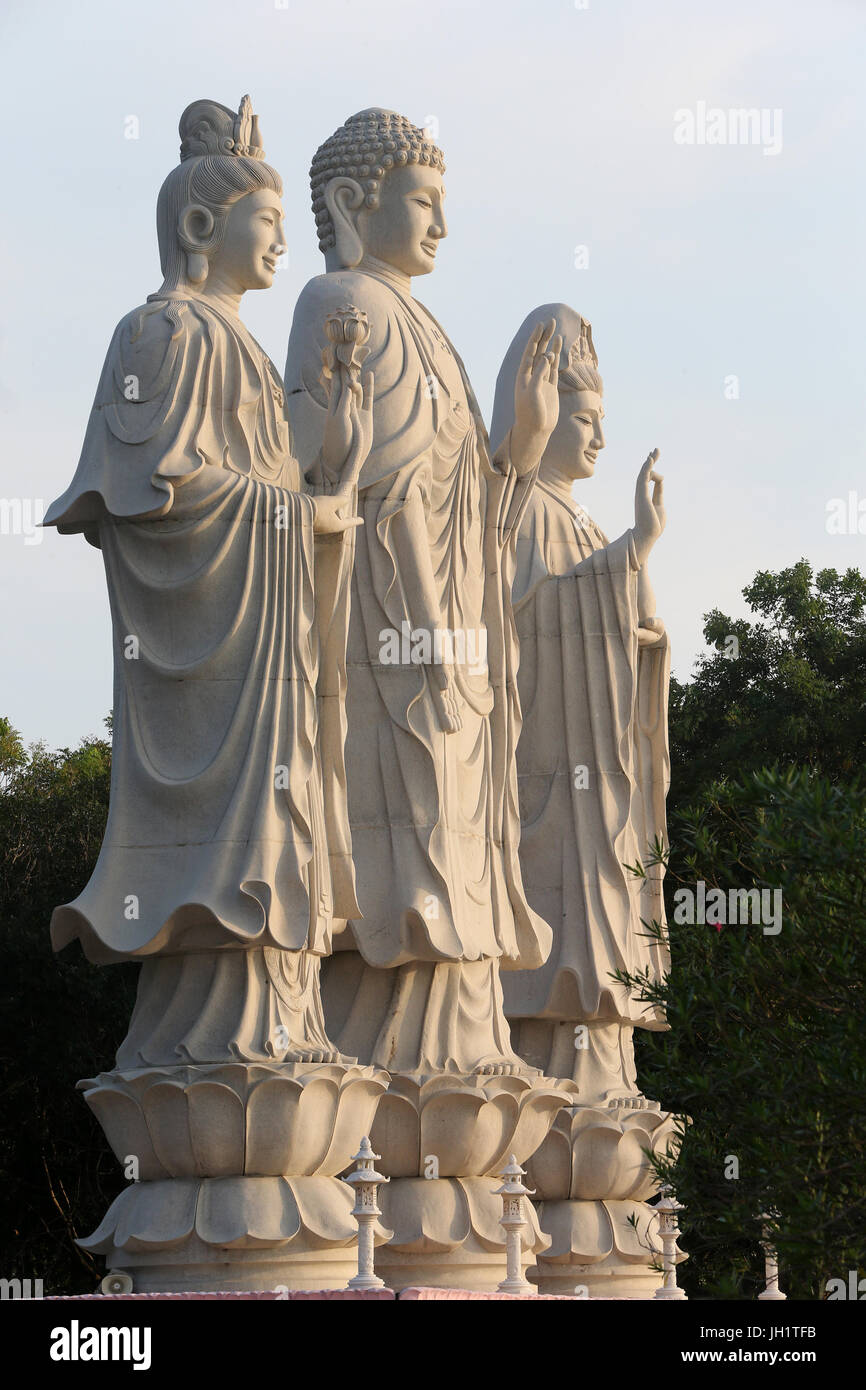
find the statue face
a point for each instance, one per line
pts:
(407, 226)
(578, 437)
(253, 240)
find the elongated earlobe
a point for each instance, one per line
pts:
(345, 198)
(195, 231)
(196, 267)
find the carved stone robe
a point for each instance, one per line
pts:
(434, 816)
(593, 764)
(222, 830)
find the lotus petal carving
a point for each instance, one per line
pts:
(599, 1154)
(468, 1125)
(229, 1121)
(230, 1213)
(593, 1232)
(439, 1215)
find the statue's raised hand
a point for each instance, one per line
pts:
(536, 397)
(649, 508)
(348, 434)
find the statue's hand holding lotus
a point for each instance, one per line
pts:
(348, 433)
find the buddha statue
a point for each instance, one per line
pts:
(431, 702)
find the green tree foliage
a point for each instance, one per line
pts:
(766, 1052)
(790, 690)
(61, 1018)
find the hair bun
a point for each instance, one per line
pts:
(208, 127)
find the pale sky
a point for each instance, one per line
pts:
(705, 261)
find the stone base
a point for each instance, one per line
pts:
(264, 1233)
(447, 1234)
(195, 1266)
(470, 1267)
(608, 1279)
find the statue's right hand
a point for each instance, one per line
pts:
(445, 701)
(348, 433)
(329, 518)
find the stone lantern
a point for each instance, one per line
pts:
(365, 1181)
(512, 1193)
(668, 1209)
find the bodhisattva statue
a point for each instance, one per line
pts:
(222, 832)
(593, 773)
(593, 766)
(432, 711)
(227, 853)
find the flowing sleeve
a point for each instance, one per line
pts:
(148, 428)
(592, 765)
(530, 567)
(215, 825)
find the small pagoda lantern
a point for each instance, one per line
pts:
(512, 1193)
(365, 1181)
(669, 1209)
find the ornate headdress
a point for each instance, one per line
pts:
(582, 353)
(207, 127)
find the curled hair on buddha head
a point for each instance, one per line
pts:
(365, 148)
(221, 161)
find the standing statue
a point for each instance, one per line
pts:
(227, 853)
(222, 831)
(593, 766)
(432, 707)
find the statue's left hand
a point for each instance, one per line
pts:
(651, 631)
(536, 396)
(348, 435)
(649, 508)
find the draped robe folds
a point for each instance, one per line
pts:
(434, 816)
(593, 766)
(220, 821)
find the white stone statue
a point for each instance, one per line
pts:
(227, 853)
(431, 705)
(593, 766)
(229, 595)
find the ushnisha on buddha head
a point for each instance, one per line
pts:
(219, 214)
(378, 194)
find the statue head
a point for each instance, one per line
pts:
(578, 436)
(377, 191)
(219, 214)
